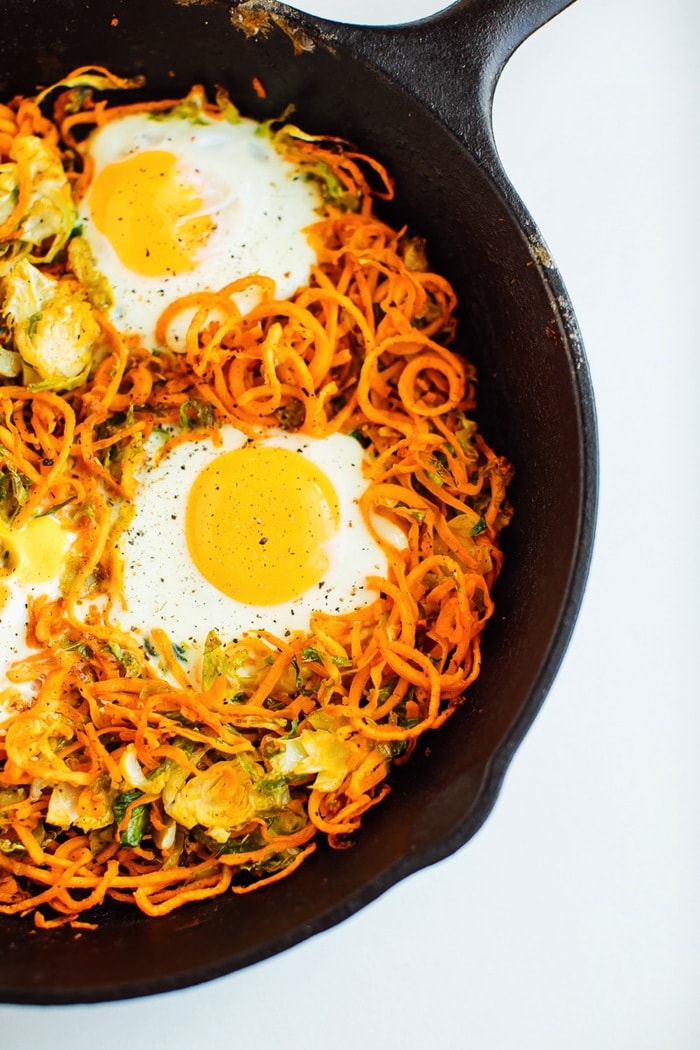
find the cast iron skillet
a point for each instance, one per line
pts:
(419, 97)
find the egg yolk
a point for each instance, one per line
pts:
(34, 554)
(257, 521)
(149, 214)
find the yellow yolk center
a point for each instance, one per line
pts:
(257, 521)
(149, 214)
(34, 554)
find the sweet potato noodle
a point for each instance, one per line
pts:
(181, 786)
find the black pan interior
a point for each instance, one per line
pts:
(534, 407)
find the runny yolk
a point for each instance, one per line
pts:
(34, 554)
(257, 521)
(149, 214)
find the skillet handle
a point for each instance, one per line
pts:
(450, 61)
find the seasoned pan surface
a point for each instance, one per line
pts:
(418, 97)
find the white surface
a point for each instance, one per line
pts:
(573, 919)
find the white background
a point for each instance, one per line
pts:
(572, 920)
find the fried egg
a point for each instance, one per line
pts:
(177, 206)
(250, 535)
(32, 561)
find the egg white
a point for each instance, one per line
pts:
(163, 588)
(259, 202)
